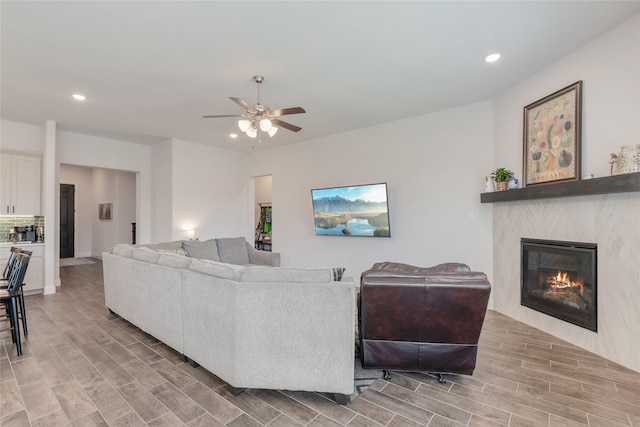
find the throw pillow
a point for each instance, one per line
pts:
(233, 250)
(201, 250)
(338, 272)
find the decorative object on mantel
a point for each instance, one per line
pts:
(513, 183)
(627, 161)
(552, 137)
(489, 184)
(501, 176)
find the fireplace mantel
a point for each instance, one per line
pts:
(624, 183)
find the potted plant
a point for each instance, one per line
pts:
(501, 176)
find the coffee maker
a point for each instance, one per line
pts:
(25, 233)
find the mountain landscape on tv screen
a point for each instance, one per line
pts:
(338, 215)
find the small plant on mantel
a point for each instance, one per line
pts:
(501, 176)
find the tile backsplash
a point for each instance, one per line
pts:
(7, 222)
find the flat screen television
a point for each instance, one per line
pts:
(359, 210)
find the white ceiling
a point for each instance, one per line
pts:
(151, 69)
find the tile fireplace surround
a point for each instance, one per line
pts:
(612, 221)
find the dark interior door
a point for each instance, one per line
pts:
(67, 211)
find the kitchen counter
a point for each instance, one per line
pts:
(21, 243)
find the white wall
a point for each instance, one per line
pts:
(210, 191)
(125, 210)
(81, 179)
(161, 193)
(103, 153)
(114, 187)
(434, 167)
(610, 69)
(20, 137)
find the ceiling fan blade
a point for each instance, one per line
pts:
(285, 111)
(222, 115)
(285, 125)
(243, 104)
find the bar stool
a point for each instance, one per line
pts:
(22, 315)
(10, 296)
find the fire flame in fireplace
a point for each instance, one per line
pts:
(563, 281)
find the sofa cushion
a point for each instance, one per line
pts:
(233, 250)
(146, 254)
(176, 244)
(178, 251)
(175, 261)
(123, 250)
(217, 269)
(287, 275)
(201, 250)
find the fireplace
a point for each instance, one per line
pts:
(559, 279)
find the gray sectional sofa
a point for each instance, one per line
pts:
(254, 326)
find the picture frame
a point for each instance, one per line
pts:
(553, 138)
(105, 211)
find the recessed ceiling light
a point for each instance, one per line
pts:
(233, 135)
(492, 58)
(79, 97)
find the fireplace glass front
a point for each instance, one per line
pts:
(559, 279)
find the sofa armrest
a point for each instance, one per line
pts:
(263, 257)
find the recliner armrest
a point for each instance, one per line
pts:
(407, 268)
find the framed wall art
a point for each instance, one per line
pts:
(552, 137)
(104, 211)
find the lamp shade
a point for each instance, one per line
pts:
(252, 132)
(265, 125)
(272, 131)
(244, 124)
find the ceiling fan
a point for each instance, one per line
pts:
(261, 117)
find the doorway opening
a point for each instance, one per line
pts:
(67, 218)
(263, 213)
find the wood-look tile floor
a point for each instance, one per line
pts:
(83, 366)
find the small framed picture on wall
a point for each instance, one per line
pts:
(105, 211)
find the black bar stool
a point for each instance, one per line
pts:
(10, 296)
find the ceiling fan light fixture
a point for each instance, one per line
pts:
(260, 118)
(252, 132)
(265, 125)
(244, 124)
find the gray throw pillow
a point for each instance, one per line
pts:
(338, 272)
(233, 250)
(201, 250)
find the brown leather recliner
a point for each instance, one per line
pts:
(422, 319)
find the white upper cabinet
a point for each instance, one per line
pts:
(20, 178)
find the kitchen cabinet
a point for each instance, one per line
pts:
(20, 178)
(34, 278)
